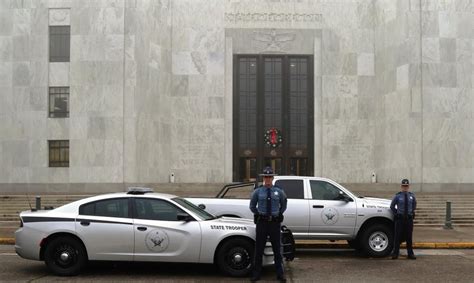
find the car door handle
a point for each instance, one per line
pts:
(141, 228)
(318, 206)
(85, 223)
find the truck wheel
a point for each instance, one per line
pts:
(235, 257)
(377, 240)
(65, 256)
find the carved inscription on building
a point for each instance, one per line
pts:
(273, 17)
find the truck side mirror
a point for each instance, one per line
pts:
(344, 197)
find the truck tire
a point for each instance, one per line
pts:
(377, 240)
(65, 256)
(235, 257)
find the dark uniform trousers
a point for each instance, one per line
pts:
(403, 230)
(272, 229)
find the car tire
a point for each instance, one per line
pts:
(235, 257)
(65, 256)
(377, 240)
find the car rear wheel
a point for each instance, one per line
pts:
(235, 257)
(377, 240)
(65, 256)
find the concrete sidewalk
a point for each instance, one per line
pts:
(423, 238)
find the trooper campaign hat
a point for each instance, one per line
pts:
(267, 172)
(405, 183)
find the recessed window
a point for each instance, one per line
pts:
(59, 102)
(59, 153)
(59, 43)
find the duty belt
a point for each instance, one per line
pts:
(268, 218)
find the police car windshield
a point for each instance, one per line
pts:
(204, 215)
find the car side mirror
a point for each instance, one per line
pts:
(184, 217)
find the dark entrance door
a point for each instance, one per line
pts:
(273, 115)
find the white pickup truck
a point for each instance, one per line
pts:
(318, 208)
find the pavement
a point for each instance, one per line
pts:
(423, 238)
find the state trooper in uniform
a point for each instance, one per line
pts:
(268, 204)
(403, 207)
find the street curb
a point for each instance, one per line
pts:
(305, 244)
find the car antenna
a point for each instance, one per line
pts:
(28, 196)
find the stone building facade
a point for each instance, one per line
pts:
(151, 89)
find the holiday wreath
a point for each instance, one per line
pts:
(273, 137)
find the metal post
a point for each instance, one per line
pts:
(38, 202)
(448, 222)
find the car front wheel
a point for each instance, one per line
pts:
(235, 257)
(377, 240)
(65, 256)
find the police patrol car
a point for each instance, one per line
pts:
(136, 226)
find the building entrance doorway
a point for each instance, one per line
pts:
(273, 123)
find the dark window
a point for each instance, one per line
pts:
(59, 43)
(108, 208)
(321, 190)
(156, 209)
(59, 153)
(272, 92)
(247, 79)
(58, 102)
(292, 188)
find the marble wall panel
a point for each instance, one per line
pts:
(21, 74)
(6, 22)
(39, 18)
(439, 75)
(403, 79)
(6, 48)
(39, 73)
(59, 74)
(92, 20)
(431, 50)
(6, 74)
(21, 48)
(58, 129)
(40, 50)
(339, 63)
(95, 72)
(365, 64)
(35, 124)
(38, 100)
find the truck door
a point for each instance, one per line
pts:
(297, 212)
(333, 212)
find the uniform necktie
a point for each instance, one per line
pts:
(269, 202)
(406, 204)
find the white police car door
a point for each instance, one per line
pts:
(106, 228)
(159, 236)
(330, 214)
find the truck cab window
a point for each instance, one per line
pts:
(321, 190)
(293, 188)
